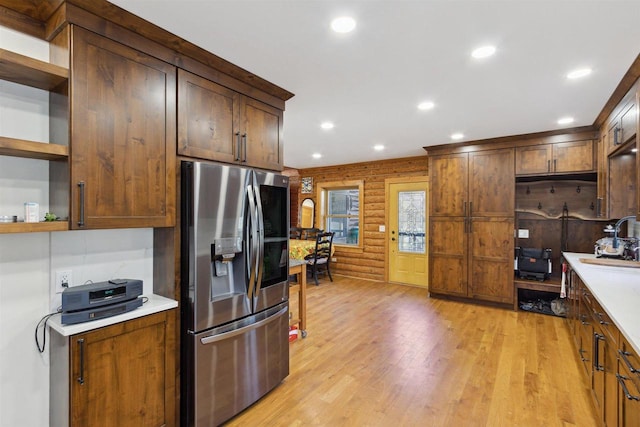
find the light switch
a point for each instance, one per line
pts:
(381, 228)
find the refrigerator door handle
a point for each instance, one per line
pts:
(253, 249)
(225, 335)
(260, 215)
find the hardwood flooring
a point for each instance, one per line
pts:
(380, 354)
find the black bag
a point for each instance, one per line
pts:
(534, 263)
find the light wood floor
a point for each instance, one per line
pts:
(379, 354)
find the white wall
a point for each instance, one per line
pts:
(28, 261)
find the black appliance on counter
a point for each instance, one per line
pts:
(235, 291)
(533, 263)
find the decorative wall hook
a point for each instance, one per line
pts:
(553, 190)
(578, 190)
(591, 206)
(539, 205)
(528, 190)
(564, 207)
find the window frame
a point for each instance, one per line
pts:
(322, 197)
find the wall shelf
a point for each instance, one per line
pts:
(31, 72)
(33, 227)
(32, 149)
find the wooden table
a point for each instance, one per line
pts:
(299, 268)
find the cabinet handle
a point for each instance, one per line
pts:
(616, 135)
(598, 207)
(464, 208)
(81, 345)
(596, 351)
(555, 165)
(238, 147)
(244, 147)
(625, 390)
(548, 165)
(81, 219)
(623, 356)
(470, 208)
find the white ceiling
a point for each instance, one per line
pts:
(402, 52)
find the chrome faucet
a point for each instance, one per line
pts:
(615, 227)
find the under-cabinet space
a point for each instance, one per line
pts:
(623, 180)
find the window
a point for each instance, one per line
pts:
(341, 213)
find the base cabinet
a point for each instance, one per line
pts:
(612, 367)
(628, 385)
(120, 375)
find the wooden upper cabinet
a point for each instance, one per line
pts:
(220, 124)
(261, 135)
(560, 158)
(623, 127)
(492, 183)
(123, 136)
(208, 119)
(449, 185)
(535, 159)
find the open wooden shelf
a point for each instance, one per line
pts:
(33, 227)
(32, 149)
(31, 72)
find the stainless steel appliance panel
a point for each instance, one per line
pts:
(218, 257)
(237, 364)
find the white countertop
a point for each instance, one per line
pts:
(155, 304)
(617, 289)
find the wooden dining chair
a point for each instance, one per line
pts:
(320, 260)
(295, 233)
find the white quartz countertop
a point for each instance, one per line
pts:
(617, 289)
(154, 304)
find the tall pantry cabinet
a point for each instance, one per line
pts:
(471, 219)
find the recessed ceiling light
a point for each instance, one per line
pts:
(343, 24)
(378, 147)
(426, 105)
(565, 120)
(316, 155)
(483, 52)
(327, 125)
(457, 135)
(576, 74)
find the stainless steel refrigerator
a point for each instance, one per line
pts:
(234, 271)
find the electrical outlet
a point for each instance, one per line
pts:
(63, 280)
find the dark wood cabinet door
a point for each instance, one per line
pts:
(574, 156)
(448, 256)
(492, 183)
(121, 375)
(602, 177)
(533, 160)
(208, 116)
(449, 185)
(261, 135)
(491, 259)
(123, 136)
(628, 121)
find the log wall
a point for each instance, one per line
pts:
(369, 262)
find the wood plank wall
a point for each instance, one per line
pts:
(370, 262)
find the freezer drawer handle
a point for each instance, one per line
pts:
(225, 335)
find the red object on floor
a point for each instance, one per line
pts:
(293, 333)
